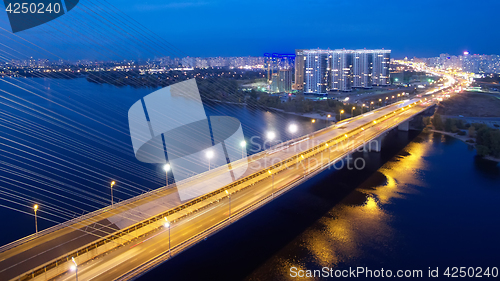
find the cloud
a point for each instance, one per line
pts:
(169, 6)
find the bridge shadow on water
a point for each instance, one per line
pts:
(236, 251)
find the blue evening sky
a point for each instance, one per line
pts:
(242, 28)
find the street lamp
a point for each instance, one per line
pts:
(209, 155)
(167, 224)
(341, 112)
(293, 128)
(313, 121)
(399, 96)
(327, 117)
(362, 108)
(112, 184)
(270, 135)
(371, 105)
(166, 168)
(74, 267)
(243, 144)
(380, 102)
(35, 208)
(352, 111)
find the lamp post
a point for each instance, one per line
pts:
(293, 128)
(243, 144)
(112, 184)
(229, 195)
(392, 98)
(341, 112)
(35, 208)
(352, 111)
(167, 224)
(166, 168)
(362, 108)
(270, 137)
(327, 117)
(398, 97)
(379, 102)
(209, 155)
(75, 267)
(371, 105)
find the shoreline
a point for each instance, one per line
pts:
(463, 139)
(316, 116)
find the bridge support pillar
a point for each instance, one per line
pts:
(405, 126)
(374, 145)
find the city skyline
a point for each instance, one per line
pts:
(214, 28)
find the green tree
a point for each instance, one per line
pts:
(483, 136)
(448, 124)
(472, 131)
(437, 122)
(482, 150)
(495, 143)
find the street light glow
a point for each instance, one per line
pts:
(293, 128)
(35, 207)
(209, 154)
(270, 135)
(113, 183)
(166, 167)
(243, 143)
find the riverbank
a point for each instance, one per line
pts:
(468, 140)
(317, 116)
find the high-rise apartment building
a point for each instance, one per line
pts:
(362, 66)
(299, 70)
(316, 71)
(380, 73)
(341, 70)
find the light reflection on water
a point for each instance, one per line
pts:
(349, 232)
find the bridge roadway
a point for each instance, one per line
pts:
(35, 251)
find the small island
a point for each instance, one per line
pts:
(472, 117)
